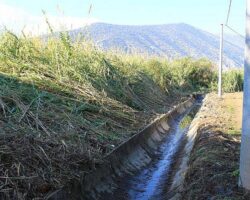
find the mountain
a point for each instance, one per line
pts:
(170, 41)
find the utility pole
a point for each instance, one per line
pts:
(245, 139)
(220, 63)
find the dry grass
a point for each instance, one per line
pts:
(63, 106)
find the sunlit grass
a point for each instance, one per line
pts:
(102, 91)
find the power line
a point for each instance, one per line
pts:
(226, 24)
(228, 12)
(236, 32)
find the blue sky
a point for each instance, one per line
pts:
(204, 14)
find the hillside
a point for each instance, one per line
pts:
(170, 40)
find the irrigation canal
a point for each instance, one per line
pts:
(151, 183)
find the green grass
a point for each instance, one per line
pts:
(233, 81)
(76, 85)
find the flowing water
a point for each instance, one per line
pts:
(149, 184)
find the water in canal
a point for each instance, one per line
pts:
(150, 183)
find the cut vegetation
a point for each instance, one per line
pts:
(64, 105)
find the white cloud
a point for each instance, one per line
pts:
(16, 19)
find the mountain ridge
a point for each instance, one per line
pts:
(166, 40)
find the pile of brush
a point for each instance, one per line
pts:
(62, 108)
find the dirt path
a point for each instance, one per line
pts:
(232, 106)
(214, 163)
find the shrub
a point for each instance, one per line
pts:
(233, 81)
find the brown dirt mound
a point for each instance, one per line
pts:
(213, 172)
(214, 164)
